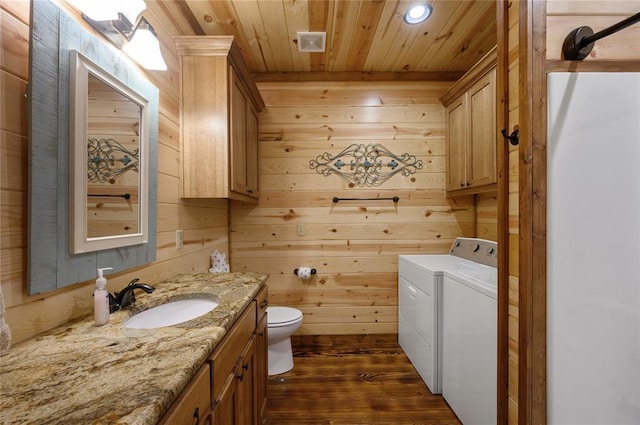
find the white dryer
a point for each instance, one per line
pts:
(420, 297)
(469, 344)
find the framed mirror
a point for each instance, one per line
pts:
(109, 156)
(55, 260)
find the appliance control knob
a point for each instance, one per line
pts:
(476, 247)
(490, 251)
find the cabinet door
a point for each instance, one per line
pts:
(456, 141)
(252, 150)
(482, 134)
(245, 410)
(192, 406)
(261, 371)
(238, 136)
(225, 407)
(244, 141)
(204, 146)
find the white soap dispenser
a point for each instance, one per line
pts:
(101, 299)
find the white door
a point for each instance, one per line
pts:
(593, 248)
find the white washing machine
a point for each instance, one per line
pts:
(420, 285)
(469, 344)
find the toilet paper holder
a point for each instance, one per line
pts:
(295, 271)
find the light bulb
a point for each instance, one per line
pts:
(144, 48)
(417, 13)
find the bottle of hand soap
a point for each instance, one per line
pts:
(101, 299)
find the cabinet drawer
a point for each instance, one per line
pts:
(192, 406)
(230, 349)
(262, 302)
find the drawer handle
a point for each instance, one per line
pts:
(196, 416)
(264, 303)
(413, 291)
(241, 376)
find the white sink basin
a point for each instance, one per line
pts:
(172, 313)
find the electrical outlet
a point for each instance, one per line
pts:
(179, 240)
(300, 229)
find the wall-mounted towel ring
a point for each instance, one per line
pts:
(513, 138)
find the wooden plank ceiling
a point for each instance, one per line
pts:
(363, 36)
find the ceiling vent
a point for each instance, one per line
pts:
(311, 41)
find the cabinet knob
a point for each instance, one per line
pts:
(249, 190)
(461, 184)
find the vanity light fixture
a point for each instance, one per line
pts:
(144, 47)
(109, 10)
(113, 19)
(418, 13)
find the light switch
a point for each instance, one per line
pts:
(301, 229)
(179, 241)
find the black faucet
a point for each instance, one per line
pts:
(126, 297)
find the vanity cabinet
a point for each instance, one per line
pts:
(239, 369)
(233, 368)
(231, 387)
(471, 133)
(219, 111)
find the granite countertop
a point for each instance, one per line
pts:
(80, 373)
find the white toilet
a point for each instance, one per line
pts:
(282, 322)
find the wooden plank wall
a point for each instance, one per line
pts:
(353, 244)
(205, 223)
(487, 216)
(562, 17)
(514, 229)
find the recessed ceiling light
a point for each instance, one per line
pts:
(418, 13)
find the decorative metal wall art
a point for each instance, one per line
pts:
(108, 160)
(365, 165)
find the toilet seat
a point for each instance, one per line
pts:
(282, 316)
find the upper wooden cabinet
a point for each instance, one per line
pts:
(218, 120)
(472, 135)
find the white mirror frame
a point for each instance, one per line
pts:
(81, 68)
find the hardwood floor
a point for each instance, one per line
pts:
(363, 379)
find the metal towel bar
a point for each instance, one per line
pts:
(394, 199)
(98, 195)
(578, 43)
